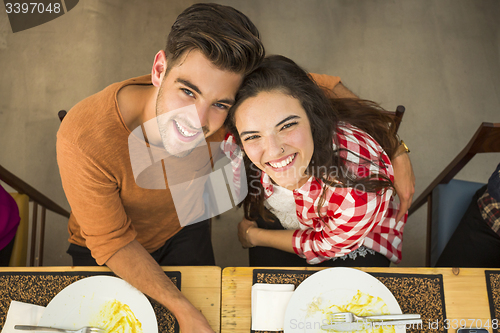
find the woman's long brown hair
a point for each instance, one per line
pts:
(281, 74)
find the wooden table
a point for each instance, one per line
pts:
(464, 291)
(201, 285)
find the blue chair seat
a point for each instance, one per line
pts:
(449, 203)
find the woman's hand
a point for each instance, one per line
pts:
(243, 232)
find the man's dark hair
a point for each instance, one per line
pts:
(223, 34)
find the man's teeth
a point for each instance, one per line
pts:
(282, 163)
(184, 131)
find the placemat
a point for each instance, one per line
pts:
(415, 293)
(40, 287)
(493, 287)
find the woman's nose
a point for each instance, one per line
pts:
(274, 146)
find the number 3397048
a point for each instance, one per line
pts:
(32, 7)
(471, 323)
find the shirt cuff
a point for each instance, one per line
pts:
(326, 82)
(296, 242)
(105, 250)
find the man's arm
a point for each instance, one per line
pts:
(341, 91)
(136, 266)
(404, 182)
(404, 178)
(96, 203)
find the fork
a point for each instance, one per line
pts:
(349, 317)
(86, 329)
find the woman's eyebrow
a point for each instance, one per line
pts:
(248, 132)
(278, 124)
(287, 119)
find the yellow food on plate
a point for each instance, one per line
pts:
(116, 317)
(361, 304)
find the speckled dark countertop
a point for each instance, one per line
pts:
(40, 287)
(415, 293)
(493, 287)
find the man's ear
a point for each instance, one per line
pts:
(159, 68)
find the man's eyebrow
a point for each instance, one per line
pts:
(189, 84)
(197, 90)
(278, 124)
(226, 101)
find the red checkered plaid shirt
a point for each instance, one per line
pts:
(349, 216)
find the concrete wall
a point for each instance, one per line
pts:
(439, 58)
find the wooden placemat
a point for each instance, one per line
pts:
(493, 287)
(40, 287)
(415, 293)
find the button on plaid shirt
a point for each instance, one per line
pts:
(349, 217)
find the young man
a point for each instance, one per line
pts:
(131, 229)
(114, 221)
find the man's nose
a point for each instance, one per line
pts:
(203, 112)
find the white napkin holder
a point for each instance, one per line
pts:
(22, 314)
(269, 302)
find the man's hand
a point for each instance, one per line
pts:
(404, 182)
(193, 321)
(136, 266)
(243, 228)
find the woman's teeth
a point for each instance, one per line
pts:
(184, 131)
(282, 163)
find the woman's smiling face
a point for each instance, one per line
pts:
(276, 136)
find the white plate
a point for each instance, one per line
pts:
(76, 304)
(333, 286)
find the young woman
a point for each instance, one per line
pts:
(319, 177)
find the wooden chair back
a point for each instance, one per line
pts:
(61, 114)
(36, 248)
(485, 140)
(398, 115)
(21, 243)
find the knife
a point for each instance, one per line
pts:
(363, 325)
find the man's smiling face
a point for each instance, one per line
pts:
(193, 101)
